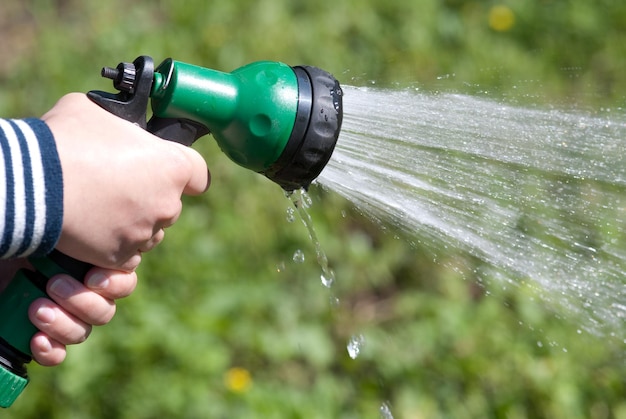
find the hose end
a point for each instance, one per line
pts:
(11, 386)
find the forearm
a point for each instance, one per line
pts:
(31, 189)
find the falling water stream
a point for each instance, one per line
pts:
(537, 195)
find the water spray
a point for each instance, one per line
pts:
(268, 117)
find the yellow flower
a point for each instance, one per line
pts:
(501, 18)
(238, 380)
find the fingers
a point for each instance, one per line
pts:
(111, 284)
(131, 263)
(46, 351)
(79, 303)
(56, 323)
(91, 302)
(76, 307)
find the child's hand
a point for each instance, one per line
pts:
(122, 185)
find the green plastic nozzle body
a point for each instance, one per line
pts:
(250, 112)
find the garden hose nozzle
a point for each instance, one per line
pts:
(268, 117)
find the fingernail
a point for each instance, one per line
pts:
(98, 281)
(45, 315)
(42, 343)
(62, 287)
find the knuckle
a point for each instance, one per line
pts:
(169, 212)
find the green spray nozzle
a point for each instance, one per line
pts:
(268, 117)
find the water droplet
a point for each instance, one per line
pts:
(291, 214)
(306, 200)
(280, 267)
(298, 256)
(328, 278)
(385, 411)
(355, 345)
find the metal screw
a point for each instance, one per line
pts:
(110, 73)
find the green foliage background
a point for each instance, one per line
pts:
(222, 291)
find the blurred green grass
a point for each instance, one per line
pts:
(223, 292)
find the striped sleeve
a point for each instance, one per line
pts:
(31, 189)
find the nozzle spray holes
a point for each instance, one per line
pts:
(336, 93)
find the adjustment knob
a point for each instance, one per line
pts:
(123, 76)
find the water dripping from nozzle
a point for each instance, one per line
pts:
(355, 344)
(385, 411)
(298, 256)
(301, 202)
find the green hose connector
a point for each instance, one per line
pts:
(17, 330)
(11, 386)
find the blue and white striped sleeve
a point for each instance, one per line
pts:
(31, 189)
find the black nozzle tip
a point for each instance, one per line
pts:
(315, 132)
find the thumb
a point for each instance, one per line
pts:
(200, 177)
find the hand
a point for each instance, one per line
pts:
(122, 185)
(76, 307)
